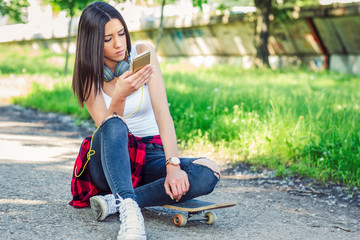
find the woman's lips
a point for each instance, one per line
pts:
(119, 53)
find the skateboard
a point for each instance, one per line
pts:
(197, 210)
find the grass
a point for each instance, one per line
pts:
(15, 59)
(57, 99)
(298, 122)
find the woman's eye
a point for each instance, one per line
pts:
(108, 40)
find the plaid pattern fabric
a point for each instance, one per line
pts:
(81, 187)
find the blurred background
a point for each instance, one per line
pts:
(273, 83)
(319, 34)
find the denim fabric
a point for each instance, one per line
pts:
(109, 169)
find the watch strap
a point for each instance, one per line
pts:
(169, 161)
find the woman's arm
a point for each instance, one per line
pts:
(126, 84)
(176, 183)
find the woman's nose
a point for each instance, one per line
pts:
(118, 42)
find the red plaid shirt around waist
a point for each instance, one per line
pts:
(81, 187)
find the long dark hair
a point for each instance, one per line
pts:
(89, 60)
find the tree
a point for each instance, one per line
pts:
(71, 7)
(263, 10)
(262, 23)
(14, 9)
(281, 10)
(161, 25)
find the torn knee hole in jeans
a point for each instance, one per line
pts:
(114, 115)
(210, 164)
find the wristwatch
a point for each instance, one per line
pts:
(173, 161)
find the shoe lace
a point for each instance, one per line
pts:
(130, 216)
(110, 200)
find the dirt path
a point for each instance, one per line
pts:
(36, 161)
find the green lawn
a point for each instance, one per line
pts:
(295, 121)
(15, 59)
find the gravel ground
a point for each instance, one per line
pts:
(36, 161)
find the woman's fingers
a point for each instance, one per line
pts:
(123, 76)
(176, 183)
(180, 189)
(142, 76)
(146, 73)
(168, 191)
(184, 188)
(145, 70)
(135, 80)
(174, 191)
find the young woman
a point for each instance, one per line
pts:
(133, 153)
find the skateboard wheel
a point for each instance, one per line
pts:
(210, 218)
(180, 220)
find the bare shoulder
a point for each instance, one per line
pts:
(142, 47)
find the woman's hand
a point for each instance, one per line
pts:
(176, 182)
(129, 82)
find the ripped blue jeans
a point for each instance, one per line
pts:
(110, 169)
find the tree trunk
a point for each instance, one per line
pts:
(68, 46)
(161, 27)
(263, 9)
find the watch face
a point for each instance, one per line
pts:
(175, 160)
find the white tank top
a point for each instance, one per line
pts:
(142, 123)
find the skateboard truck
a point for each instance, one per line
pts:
(181, 220)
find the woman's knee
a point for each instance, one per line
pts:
(114, 127)
(114, 120)
(202, 179)
(114, 116)
(210, 164)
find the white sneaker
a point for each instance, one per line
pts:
(103, 206)
(131, 221)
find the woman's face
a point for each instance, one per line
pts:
(115, 42)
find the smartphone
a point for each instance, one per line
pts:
(141, 60)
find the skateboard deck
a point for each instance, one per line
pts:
(197, 210)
